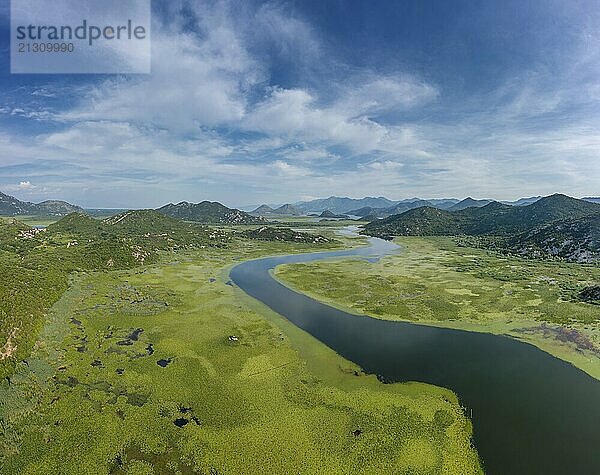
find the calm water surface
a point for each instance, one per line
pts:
(532, 413)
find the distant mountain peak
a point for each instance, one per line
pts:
(209, 212)
(337, 204)
(468, 203)
(11, 206)
(329, 214)
(262, 210)
(492, 219)
(287, 209)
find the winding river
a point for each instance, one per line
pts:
(532, 413)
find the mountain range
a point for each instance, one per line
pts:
(467, 203)
(576, 240)
(370, 213)
(556, 225)
(283, 210)
(524, 201)
(494, 218)
(10, 206)
(209, 212)
(382, 207)
(336, 204)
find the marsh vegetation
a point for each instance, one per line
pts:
(134, 368)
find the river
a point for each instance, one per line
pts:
(532, 413)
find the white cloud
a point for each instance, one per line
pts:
(195, 82)
(386, 94)
(284, 169)
(195, 128)
(384, 166)
(91, 138)
(290, 36)
(25, 185)
(296, 115)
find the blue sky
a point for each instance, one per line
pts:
(252, 102)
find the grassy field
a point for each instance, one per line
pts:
(166, 368)
(434, 281)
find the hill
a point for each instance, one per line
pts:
(287, 210)
(405, 206)
(329, 215)
(424, 221)
(269, 233)
(208, 212)
(468, 203)
(575, 240)
(556, 207)
(262, 210)
(77, 223)
(11, 206)
(144, 221)
(492, 219)
(148, 229)
(56, 208)
(364, 211)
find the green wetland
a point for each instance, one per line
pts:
(132, 343)
(163, 366)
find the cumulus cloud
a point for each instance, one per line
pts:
(207, 79)
(296, 115)
(198, 79)
(25, 185)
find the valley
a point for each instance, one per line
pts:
(164, 367)
(128, 337)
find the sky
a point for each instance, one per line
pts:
(269, 102)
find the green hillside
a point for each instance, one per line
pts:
(492, 219)
(574, 239)
(209, 212)
(36, 264)
(11, 206)
(270, 233)
(423, 221)
(76, 223)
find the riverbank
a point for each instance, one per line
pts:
(434, 282)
